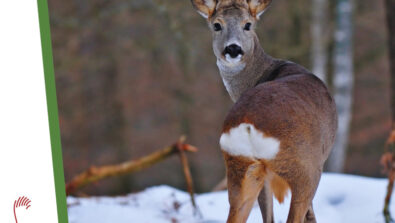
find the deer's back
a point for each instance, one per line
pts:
(297, 110)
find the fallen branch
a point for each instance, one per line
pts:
(94, 174)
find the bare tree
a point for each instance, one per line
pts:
(342, 82)
(390, 6)
(388, 158)
(319, 38)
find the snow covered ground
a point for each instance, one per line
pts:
(340, 198)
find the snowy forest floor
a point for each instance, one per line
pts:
(340, 198)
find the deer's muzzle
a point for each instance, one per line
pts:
(233, 50)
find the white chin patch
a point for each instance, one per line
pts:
(245, 140)
(231, 60)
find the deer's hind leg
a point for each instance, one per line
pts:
(303, 191)
(310, 217)
(265, 200)
(273, 185)
(245, 181)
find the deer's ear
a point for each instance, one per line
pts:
(205, 7)
(257, 7)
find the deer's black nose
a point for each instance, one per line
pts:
(233, 50)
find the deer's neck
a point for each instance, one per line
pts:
(238, 78)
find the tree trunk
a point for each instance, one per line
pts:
(319, 38)
(388, 158)
(343, 82)
(390, 8)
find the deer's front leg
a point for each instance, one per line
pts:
(245, 181)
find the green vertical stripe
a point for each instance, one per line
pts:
(52, 110)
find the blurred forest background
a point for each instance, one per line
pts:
(132, 76)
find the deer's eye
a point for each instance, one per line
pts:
(247, 26)
(217, 26)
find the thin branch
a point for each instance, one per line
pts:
(391, 178)
(388, 162)
(94, 173)
(391, 138)
(188, 176)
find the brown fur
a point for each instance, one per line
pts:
(296, 109)
(245, 179)
(240, 165)
(279, 187)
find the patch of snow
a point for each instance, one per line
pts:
(340, 198)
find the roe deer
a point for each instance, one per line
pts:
(281, 129)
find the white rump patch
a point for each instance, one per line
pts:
(246, 140)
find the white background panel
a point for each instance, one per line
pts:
(25, 152)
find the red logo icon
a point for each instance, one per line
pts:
(21, 202)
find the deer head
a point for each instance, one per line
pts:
(232, 23)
